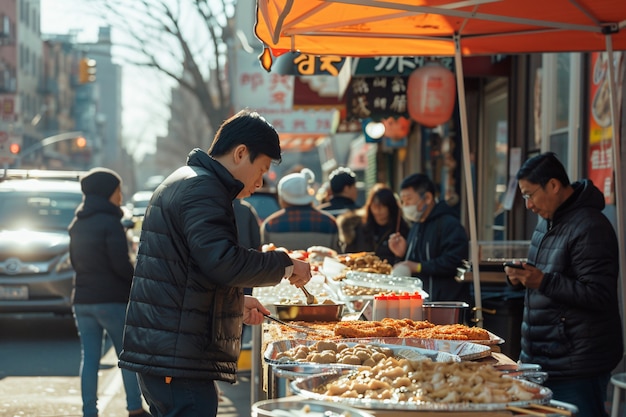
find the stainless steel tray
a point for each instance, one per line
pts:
(467, 351)
(305, 387)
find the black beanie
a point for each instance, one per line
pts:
(100, 181)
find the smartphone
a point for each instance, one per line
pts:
(514, 265)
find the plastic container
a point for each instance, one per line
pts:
(392, 306)
(416, 302)
(404, 306)
(381, 304)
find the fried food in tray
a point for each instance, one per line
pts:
(363, 262)
(401, 328)
(424, 385)
(409, 328)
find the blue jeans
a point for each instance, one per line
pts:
(181, 397)
(588, 394)
(92, 320)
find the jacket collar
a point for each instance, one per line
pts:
(199, 158)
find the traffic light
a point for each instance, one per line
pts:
(86, 70)
(81, 142)
(15, 148)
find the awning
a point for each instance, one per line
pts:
(300, 142)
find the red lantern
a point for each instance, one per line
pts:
(431, 93)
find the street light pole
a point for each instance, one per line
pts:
(44, 142)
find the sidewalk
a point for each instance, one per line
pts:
(235, 397)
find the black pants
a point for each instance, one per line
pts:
(181, 397)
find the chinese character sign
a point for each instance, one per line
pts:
(376, 98)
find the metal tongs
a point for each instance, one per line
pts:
(310, 298)
(296, 327)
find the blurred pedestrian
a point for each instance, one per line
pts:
(248, 224)
(571, 324)
(299, 225)
(187, 306)
(344, 192)
(368, 229)
(248, 228)
(103, 275)
(437, 242)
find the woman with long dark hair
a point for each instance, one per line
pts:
(367, 229)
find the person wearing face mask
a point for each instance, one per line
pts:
(436, 244)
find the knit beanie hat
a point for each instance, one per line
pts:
(100, 181)
(295, 189)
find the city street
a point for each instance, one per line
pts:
(39, 373)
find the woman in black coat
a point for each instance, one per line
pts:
(367, 229)
(103, 276)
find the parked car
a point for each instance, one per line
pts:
(139, 202)
(35, 269)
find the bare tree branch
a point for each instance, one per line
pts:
(183, 39)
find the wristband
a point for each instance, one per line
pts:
(418, 268)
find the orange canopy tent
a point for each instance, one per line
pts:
(366, 28)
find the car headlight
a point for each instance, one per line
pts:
(64, 264)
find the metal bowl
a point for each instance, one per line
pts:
(313, 312)
(444, 312)
(301, 408)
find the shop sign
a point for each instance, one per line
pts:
(600, 158)
(271, 95)
(7, 107)
(295, 63)
(395, 65)
(377, 98)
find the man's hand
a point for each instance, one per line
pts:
(397, 244)
(528, 275)
(301, 273)
(253, 311)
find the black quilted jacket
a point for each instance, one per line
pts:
(571, 324)
(185, 312)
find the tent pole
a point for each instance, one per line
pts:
(619, 206)
(467, 169)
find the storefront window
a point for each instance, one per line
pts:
(494, 172)
(562, 90)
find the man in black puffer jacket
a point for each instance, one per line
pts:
(436, 244)
(187, 305)
(571, 323)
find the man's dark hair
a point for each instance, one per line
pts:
(250, 129)
(341, 178)
(420, 183)
(542, 168)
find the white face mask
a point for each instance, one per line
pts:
(412, 213)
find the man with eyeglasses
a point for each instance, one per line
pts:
(571, 322)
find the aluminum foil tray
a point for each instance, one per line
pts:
(305, 387)
(303, 408)
(400, 350)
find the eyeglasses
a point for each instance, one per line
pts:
(530, 196)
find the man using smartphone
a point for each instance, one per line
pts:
(571, 323)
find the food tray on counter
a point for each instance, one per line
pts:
(365, 285)
(408, 351)
(306, 387)
(286, 407)
(467, 351)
